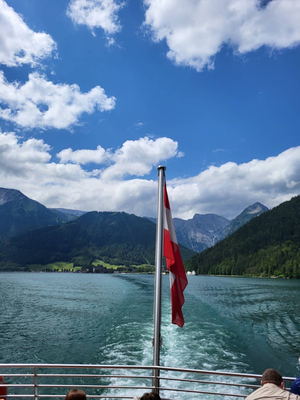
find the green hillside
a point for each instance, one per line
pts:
(269, 245)
(247, 215)
(115, 238)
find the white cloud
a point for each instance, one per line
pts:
(16, 156)
(134, 158)
(96, 14)
(226, 190)
(39, 103)
(195, 31)
(26, 165)
(137, 157)
(138, 124)
(83, 156)
(18, 43)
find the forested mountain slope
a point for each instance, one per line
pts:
(245, 216)
(268, 245)
(114, 237)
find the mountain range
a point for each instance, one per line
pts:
(33, 234)
(268, 245)
(205, 230)
(114, 238)
(20, 214)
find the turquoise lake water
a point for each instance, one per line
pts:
(232, 324)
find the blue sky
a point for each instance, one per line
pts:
(95, 94)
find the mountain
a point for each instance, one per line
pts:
(268, 245)
(77, 213)
(19, 214)
(246, 216)
(113, 237)
(205, 230)
(200, 232)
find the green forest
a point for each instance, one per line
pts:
(267, 246)
(117, 239)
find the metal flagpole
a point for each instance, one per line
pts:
(158, 269)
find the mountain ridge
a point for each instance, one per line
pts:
(20, 214)
(113, 237)
(245, 216)
(268, 245)
(205, 230)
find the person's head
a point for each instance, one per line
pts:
(272, 376)
(296, 386)
(150, 396)
(75, 394)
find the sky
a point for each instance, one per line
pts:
(96, 94)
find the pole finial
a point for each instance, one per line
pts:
(161, 167)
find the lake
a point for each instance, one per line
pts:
(232, 324)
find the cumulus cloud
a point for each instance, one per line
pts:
(137, 157)
(29, 161)
(27, 165)
(226, 190)
(83, 156)
(18, 43)
(15, 155)
(195, 31)
(96, 14)
(39, 103)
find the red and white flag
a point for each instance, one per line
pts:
(178, 279)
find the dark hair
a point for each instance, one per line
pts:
(75, 394)
(150, 396)
(271, 376)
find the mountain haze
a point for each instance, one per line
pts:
(76, 213)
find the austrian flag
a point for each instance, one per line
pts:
(178, 279)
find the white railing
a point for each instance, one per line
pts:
(43, 381)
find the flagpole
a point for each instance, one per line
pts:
(158, 270)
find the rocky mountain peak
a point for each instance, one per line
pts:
(256, 208)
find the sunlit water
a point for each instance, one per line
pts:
(232, 324)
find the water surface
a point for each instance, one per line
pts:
(232, 324)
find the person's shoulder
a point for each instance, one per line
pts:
(254, 394)
(284, 393)
(293, 396)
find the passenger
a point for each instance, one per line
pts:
(296, 386)
(148, 396)
(272, 387)
(75, 394)
(3, 389)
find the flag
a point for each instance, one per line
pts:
(178, 279)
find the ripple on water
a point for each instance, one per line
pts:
(239, 325)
